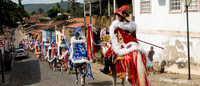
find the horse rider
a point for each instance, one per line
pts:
(126, 54)
(78, 54)
(125, 25)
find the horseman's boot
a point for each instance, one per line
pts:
(106, 68)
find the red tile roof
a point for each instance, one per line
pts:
(75, 20)
(67, 14)
(75, 25)
(52, 26)
(33, 18)
(43, 24)
(33, 31)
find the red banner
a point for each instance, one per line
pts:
(90, 43)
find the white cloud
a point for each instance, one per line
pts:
(80, 1)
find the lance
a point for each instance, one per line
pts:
(150, 44)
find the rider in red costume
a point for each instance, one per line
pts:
(125, 26)
(126, 54)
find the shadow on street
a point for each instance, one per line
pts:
(103, 83)
(25, 71)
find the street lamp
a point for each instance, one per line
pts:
(187, 3)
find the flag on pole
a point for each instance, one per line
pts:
(39, 44)
(77, 29)
(39, 36)
(90, 43)
(52, 49)
(66, 46)
(44, 51)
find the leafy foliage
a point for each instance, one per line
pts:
(33, 13)
(60, 18)
(73, 5)
(75, 8)
(11, 13)
(45, 14)
(40, 10)
(52, 12)
(67, 11)
(43, 20)
(95, 9)
(28, 25)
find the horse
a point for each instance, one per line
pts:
(51, 59)
(79, 58)
(104, 48)
(38, 53)
(64, 60)
(141, 68)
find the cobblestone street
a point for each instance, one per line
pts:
(29, 71)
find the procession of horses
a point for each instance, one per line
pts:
(124, 57)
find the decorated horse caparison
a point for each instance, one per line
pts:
(124, 54)
(80, 54)
(63, 54)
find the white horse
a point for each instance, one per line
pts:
(114, 76)
(141, 69)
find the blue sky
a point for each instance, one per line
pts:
(42, 1)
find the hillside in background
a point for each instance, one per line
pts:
(34, 7)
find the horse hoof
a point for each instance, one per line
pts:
(76, 82)
(82, 84)
(68, 72)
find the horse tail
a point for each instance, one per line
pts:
(137, 68)
(140, 70)
(141, 62)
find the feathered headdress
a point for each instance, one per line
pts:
(121, 11)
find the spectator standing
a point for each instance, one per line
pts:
(150, 56)
(6, 60)
(10, 60)
(12, 48)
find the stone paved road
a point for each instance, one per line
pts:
(29, 71)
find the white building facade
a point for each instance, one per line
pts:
(163, 23)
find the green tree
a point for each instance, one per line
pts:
(58, 6)
(43, 20)
(80, 12)
(40, 10)
(45, 14)
(11, 13)
(60, 18)
(61, 1)
(67, 10)
(33, 13)
(52, 12)
(73, 5)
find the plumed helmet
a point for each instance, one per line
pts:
(121, 11)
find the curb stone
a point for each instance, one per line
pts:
(175, 81)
